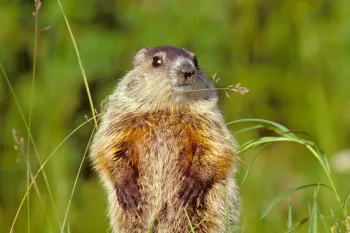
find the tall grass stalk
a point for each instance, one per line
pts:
(76, 180)
(80, 64)
(290, 217)
(37, 4)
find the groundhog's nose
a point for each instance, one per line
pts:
(187, 70)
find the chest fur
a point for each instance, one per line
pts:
(166, 134)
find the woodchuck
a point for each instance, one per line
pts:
(163, 151)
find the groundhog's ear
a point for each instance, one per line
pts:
(139, 57)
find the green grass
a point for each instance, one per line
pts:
(285, 135)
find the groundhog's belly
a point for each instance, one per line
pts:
(159, 170)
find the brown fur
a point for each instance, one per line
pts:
(164, 155)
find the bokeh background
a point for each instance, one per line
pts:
(294, 57)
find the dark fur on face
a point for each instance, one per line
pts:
(172, 52)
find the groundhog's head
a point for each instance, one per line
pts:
(166, 76)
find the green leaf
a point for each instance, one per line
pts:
(285, 194)
(254, 143)
(247, 129)
(323, 221)
(290, 219)
(253, 160)
(313, 221)
(150, 228)
(346, 200)
(298, 224)
(281, 127)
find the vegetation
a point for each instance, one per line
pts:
(59, 60)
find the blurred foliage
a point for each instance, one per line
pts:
(292, 55)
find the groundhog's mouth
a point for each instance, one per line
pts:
(185, 87)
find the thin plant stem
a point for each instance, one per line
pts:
(80, 63)
(76, 180)
(189, 221)
(30, 110)
(211, 89)
(343, 209)
(41, 200)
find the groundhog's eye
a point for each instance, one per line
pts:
(195, 61)
(157, 61)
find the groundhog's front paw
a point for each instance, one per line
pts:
(128, 195)
(192, 191)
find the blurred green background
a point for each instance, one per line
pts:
(294, 56)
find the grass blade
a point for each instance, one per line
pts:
(253, 160)
(323, 221)
(36, 15)
(189, 221)
(80, 64)
(285, 194)
(76, 179)
(281, 127)
(248, 129)
(346, 199)
(313, 217)
(150, 229)
(197, 225)
(290, 219)
(298, 224)
(254, 143)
